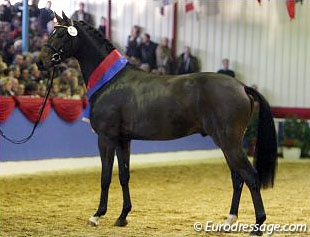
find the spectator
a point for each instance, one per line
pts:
(50, 27)
(21, 89)
(15, 72)
(8, 53)
(148, 53)
(82, 15)
(18, 60)
(64, 91)
(34, 10)
(3, 67)
(69, 77)
(7, 87)
(18, 46)
(6, 13)
(187, 63)
(46, 15)
(102, 26)
(42, 90)
(225, 70)
(34, 72)
(163, 57)
(27, 60)
(31, 89)
(24, 77)
(55, 90)
(133, 44)
(16, 26)
(15, 86)
(79, 93)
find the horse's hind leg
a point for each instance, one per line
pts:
(237, 183)
(107, 159)
(123, 157)
(239, 163)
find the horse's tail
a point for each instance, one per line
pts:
(265, 157)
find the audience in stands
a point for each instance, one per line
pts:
(46, 15)
(164, 57)
(187, 63)
(225, 70)
(148, 54)
(133, 46)
(102, 26)
(19, 75)
(82, 15)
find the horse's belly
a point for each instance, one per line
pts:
(163, 126)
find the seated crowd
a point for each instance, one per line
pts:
(19, 75)
(157, 58)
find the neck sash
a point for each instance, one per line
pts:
(104, 72)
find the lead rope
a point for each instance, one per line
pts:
(24, 140)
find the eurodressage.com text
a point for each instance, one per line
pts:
(209, 226)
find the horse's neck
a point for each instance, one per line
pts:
(89, 57)
(88, 63)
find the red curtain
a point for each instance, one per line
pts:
(30, 107)
(68, 109)
(290, 5)
(85, 102)
(7, 105)
(189, 6)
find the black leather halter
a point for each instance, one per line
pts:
(57, 55)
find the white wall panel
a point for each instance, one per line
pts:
(263, 45)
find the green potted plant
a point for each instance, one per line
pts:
(294, 137)
(305, 148)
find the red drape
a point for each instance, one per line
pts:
(290, 5)
(85, 102)
(189, 6)
(7, 105)
(68, 109)
(30, 107)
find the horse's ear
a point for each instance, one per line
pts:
(58, 18)
(66, 19)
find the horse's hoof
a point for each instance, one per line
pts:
(121, 222)
(94, 220)
(256, 233)
(231, 219)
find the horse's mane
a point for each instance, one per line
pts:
(96, 35)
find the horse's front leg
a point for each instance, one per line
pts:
(123, 157)
(107, 160)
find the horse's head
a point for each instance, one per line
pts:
(62, 43)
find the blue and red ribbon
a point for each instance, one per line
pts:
(105, 71)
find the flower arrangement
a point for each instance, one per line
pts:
(288, 142)
(296, 133)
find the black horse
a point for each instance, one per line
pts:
(138, 105)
